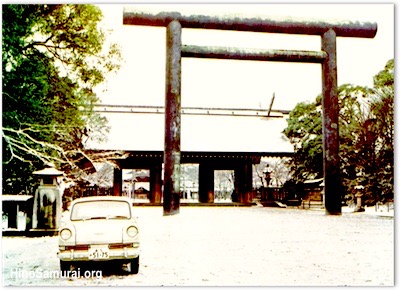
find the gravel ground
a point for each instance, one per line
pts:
(232, 246)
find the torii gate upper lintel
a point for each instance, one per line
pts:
(257, 24)
(329, 31)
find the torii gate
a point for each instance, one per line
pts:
(174, 22)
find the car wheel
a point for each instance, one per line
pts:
(65, 266)
(134, 266)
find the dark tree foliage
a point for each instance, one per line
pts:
(382, 111)
(305, 133)
(366, 128)
(52, 56)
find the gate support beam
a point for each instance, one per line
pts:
(253, 54)
(172, 145)
(248, 182)
(330, 126)
(117, 182)
(155, 184)
(206, 183)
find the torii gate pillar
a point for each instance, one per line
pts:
(330, 125)
(172, 145)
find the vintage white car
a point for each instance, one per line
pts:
(99, 228)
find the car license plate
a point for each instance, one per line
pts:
(99, 252)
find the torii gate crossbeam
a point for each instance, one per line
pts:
(328, 31)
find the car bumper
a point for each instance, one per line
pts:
(115, 254)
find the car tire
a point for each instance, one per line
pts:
(65, 266)
(134, 266)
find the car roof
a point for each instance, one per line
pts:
(102, 198)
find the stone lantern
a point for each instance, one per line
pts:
(359, 190)
(359, 193)
(47, 205)
(267, 177)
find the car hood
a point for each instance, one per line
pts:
(100, 231)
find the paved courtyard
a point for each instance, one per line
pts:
(233, 246)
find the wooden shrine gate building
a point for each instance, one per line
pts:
(215, 139)
(240, 162)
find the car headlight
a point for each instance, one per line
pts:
(132, 231)
(65, 234)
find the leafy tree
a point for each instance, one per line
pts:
(354, 117)
(382, 110)
(385, 78)
(53, 57)
(366, 128)
(305, 133)
(367, 137)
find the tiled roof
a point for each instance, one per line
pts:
(14, 197)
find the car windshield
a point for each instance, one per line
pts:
(100, 209)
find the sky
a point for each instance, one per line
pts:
(231, 83)
(235, 83)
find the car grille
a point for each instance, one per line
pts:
(86, 247)
(77, 248)
(119, 246)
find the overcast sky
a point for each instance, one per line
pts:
(232, 83)
(243, 84)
